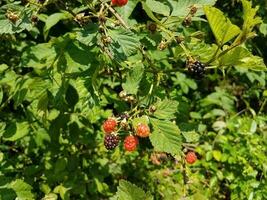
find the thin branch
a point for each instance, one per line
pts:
(117, 16)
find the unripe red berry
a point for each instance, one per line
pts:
(130, 143)
(191, 157)
(119, 2)
(142, 130)
(109, 125)
(114, 2)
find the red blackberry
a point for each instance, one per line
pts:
(191, 157)
(109, 125)
(111, 141)
(130, 143)
(142, 130)
(196, 69)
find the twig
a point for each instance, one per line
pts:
(117, 16)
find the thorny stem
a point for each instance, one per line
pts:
(117, 16)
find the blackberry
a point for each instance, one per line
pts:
(111, 141)
(41, 1)
(196, 69)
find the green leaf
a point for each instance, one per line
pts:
(16, 131)
(62, 191)
(165, 136)
(64, 53)
(191, 136)
(217, 155)
(242, 57)
(87, 35)
(53, 19)
(181, 8)
(250, 19)
(50, 196)
(214, 113)
(166, 109)
(221, 26)
(23, 23)
(129, 191)
(158, 7)
(253, 62)
(124, 43)
(3, 67)
(39, 56)
(150, 13)
(263, 29)
(22, 189)
(133, 79)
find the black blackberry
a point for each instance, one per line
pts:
(41, 1)
(111, 141)
(196, 69)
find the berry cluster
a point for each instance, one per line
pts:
(119, 3)
(196, 69)
(131, 141)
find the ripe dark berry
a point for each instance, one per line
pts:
(130, 143)
(119, 2)
(111, 141)
(196, 69)
(191, 157)
(142, 130)
(41, 1)
(109, 125)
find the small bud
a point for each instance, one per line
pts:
(130, 98)
(152, 109)
(187, 21)
(179, 39)
(162, 45)
(152, 27)
(124, 116)
(122, 94)
(34, 19)
(124, 124)
(102, 19)
(193, 9)
(106, 40)
(13, 17)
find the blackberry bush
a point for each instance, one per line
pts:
(78, 76)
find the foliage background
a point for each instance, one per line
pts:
(61, 76)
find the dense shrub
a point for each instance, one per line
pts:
(175, 89)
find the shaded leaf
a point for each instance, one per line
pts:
(16, 131)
